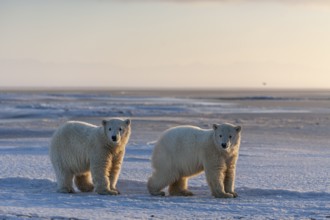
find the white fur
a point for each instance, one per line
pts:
(90, 154)
(184, 151)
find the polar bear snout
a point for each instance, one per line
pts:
(224, 145)
(114, 138)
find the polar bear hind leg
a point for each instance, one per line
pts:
(84, 182)
(157, 182)
(64, 183)
(180, 188)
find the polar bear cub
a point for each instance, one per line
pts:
(91, 155)
(185, 151)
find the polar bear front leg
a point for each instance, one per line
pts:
(215, 178)
(101, 179)
(230, 181)
(115, 171)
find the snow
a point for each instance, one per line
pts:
(283, 169)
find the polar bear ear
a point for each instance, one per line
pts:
(215, 126)
(104, 122)
(128, 121)
(238, 128)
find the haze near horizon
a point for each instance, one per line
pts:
(165, 44)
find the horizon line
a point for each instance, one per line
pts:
(147, 88)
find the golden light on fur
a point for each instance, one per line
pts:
(89, 155)
(185, 151)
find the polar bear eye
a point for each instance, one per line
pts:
(220, 135)
(120, 129)
(230, 136)
(109, 129)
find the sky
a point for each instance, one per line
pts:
(165, 43)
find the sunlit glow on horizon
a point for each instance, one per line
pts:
(144, 44)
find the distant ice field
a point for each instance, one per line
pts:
(283, 170)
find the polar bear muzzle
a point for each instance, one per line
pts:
(114, 138)
(224, 145)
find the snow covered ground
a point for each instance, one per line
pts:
(283, 170)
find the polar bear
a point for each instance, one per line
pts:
(90, 154)
(185, 151)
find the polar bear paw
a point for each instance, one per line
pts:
(107, 192)
(65, 190)
(182, 193)
(223, 195)
(234, 194)
(116, 190)
(160, 193)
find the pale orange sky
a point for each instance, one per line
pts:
(184, 44)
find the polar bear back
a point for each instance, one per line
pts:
(71, 144)
(175, 139)
(181, 147)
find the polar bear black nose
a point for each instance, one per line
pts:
(114, 138)
(224, 145)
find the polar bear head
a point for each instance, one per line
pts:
(226, 136)
(117, 131)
